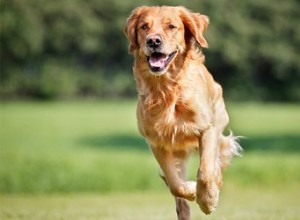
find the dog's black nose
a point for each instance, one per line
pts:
(154, 41)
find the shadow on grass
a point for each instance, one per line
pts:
(284, 144)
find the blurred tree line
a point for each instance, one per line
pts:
(72, 48)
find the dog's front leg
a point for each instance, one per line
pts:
(182, 206)
(178, 187)
(209, 178)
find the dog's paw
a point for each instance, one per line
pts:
(190, 190)
(207, 196)
(186, 190)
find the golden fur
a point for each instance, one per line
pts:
(180, 106)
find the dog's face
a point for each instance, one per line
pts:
(161, 33)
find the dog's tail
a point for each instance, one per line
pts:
(229, 147)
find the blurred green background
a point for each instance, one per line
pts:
(69, 145)
(75, 48)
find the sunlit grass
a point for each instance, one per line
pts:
(235, 204)
(251, 119)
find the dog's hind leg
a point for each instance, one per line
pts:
(182, 209)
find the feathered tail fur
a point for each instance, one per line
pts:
(229, 147)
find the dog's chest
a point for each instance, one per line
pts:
(178, 119)
(176, 125)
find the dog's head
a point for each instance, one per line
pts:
(161, 33)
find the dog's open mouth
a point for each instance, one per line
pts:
(159, 61)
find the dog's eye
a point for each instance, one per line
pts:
(171, 26)
(145, 27)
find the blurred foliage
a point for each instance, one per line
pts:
(57, 49)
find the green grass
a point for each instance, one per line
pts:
(95, 146)
(57, 147)
(86, 160)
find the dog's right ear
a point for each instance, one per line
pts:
(130, 29)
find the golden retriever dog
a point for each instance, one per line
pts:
(180, 106)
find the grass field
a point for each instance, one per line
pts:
(85, 160)
(235, 205)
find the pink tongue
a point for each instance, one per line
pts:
(157, 61)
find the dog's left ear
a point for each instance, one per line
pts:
(196, 24)
(130, 29)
